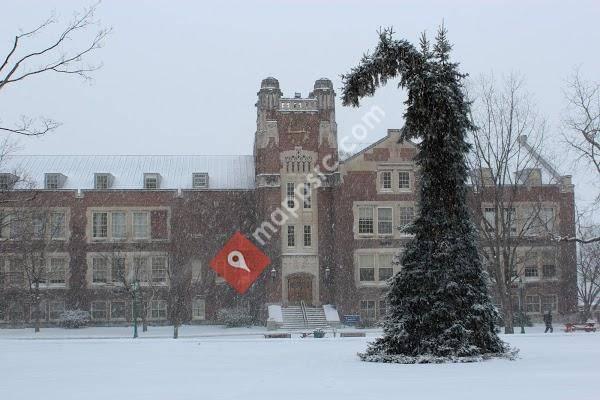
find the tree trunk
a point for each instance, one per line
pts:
(175, 331)
(37, 308)
(507, 313)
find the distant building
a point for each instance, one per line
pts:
(111, 214)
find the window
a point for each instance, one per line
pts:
(489, 214)
(510, 220)
(140, 268)
(39, 311)
(158, 309)
(307, 236)
(52, 181)
(532, 304)
(98, 310)
(403, 180)
(366, 263)
(291, 236)
(140, 225)
(539, 221)
(549, 303)
(531, 271)
(151, 181)
(386, 180)
(365, 220)
(99, 270)
(384, 220)
(58, 271)
(549, 271)
(37, 227)
(57, 308)
(100, 225)
(101, 181)
(198, 309)
(407, 216)
(15, 273)
(307, 196)
(5, 183)
(547, 218)
(58, 225)
(385, 267)
(119, 225)
(200, 180)
(383, 307)
(117, 273)
(367, 310)
(117, 310)
(159, 269)
(290, 193)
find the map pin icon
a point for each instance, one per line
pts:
(235, 259)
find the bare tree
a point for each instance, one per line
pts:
(581, 131)
(33, 229)
(505, 158)
(66, 52)
(588, 270)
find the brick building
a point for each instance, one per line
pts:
(331, 237)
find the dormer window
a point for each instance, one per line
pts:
(102, 181)
(200, 180)
(54, 181)
(7, 181)
(151, 181)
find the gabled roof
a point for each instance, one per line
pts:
(225, 172)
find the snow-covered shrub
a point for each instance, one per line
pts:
(74, 319)
(234, 317)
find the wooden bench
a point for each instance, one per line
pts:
(587, 327)
(352, 334)
(278, 335)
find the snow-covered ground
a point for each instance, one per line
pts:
(217, 363)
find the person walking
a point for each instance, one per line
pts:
(548, 321)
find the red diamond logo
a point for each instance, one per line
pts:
(239, 262)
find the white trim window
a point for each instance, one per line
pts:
(200, 180)
(307, 236)
(385, 270)
(290, 195)
(99, 310)
(119, 225)
(385, 180)
(101, 182)
(365, 220)
(489, 215)
(367, 310)
(291, 235)
(99, 270)
(366, 268)
(532, 303)
(141, 225)
(307, 195)
(531, 271)
(140, 268)
(58, 226)
(57, 273)
(159, 269)
(403, 180)
(100, 225)
(118, 310)
(549, 303)
(407, 216)
(198, 309)
(56, 309)
(384, 220)
(52, 181)
(158, 309)
(117, 271)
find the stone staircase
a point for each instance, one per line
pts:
(303, 318)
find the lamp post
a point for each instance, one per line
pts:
(521, 316)
(135, 287)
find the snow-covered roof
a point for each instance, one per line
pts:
(224, 172)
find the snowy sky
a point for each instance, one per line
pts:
(180, 77)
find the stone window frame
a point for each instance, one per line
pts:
(144, 276)
(385, 178)
(291, 236)
(407, 181)
(376, 255)
(94, 309)
(307, 236)
(156, 309)
(196, 308)
(532, 303)
(129, 223)
(390, 221)
(54, 314)
(544, 302)
(111, 308)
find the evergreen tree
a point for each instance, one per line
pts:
(440, 309)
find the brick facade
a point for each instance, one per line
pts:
(294, 137)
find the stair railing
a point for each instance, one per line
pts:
(304, 316)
